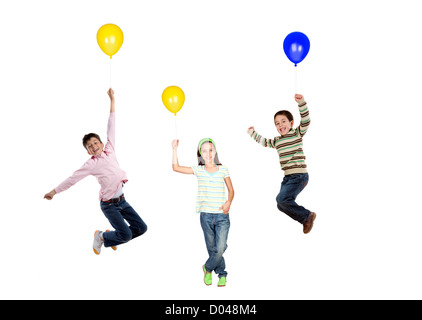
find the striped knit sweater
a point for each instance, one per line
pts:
(289, 146)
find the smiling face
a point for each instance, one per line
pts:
(94, 146)
(208, 152)
(282, 124)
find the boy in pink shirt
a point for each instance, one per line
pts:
(104, 166)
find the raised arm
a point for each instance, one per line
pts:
(305, 120)
(269, 143)
(111, 126)
(175, 161)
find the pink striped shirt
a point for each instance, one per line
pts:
(104, 167)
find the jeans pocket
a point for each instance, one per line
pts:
(224, 218)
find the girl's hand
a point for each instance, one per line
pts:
(175, 143)
(50, 195)
(250, 129)
(226, 207)
(298, 97)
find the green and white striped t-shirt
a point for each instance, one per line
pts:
(290, 146)
(211, 189)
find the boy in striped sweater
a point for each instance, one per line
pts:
(292, 161)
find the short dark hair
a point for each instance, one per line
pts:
(88, 136)
(201, 161)
(285, 113)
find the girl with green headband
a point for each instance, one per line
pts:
(212, 204)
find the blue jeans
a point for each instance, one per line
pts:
(291, 186)
(117, 213)
(216, 230)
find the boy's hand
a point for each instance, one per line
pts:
(175, 143)
(250, 129)
(50, 195)
(110, 93)
(298, 97)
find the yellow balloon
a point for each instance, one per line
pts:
(173, 99)
(110, 39)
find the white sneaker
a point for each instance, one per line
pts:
(98, 242)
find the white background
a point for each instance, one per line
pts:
(361, 79)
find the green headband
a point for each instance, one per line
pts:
(203, 141)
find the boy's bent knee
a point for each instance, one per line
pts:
(282, 206)
(139, 230)
(143, 229)
(280, 199)
(125, 235)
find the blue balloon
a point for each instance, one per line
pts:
(296, 46)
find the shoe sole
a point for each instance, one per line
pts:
(95, 251)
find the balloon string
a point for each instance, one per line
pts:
(175, 126)
(110, 73)
(296, 80)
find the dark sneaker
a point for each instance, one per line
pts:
(307, 226)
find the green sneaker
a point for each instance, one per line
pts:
(222, 282)
(207, 276)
